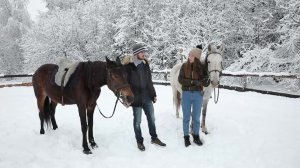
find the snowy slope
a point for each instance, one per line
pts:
(246, 130)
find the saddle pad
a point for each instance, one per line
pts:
(62, 66)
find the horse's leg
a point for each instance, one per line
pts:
(44, 111)
(40, 104)
(90, 115)
(53, 106)
(204, 109)
(82, 115)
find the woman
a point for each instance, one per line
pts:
(191, 77)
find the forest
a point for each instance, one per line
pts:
(259, 35)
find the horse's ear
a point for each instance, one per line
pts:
(222, 48)
(118, 61)
(107, 59)
(108, 62)
(209, 48)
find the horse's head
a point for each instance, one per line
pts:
(214, 62)
(117, 81)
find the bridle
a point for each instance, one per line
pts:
(216, 95)
(115, 88)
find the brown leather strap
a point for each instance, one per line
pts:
(62, 86)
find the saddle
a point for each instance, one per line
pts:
(66, 68)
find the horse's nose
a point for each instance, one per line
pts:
(215, 83)
(130, 99)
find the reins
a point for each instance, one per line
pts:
(116, 91)
(118, 96)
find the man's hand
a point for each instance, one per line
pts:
(154, 99)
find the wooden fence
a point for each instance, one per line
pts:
(15, 84)
(165, 81)
(276, 77)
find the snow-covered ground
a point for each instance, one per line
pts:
(246, 130)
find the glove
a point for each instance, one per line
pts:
(197, 82)
(154, 99)
(206, 82)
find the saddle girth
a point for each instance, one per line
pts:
(62, 86)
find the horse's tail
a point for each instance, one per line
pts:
(175, 87)
(178, 100)
(47, 111)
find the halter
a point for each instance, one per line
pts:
(214, 70)
(216, 97)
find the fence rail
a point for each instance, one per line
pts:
(16, 76)
(166, 81)
(276, 77)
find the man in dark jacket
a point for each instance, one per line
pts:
(140, 79)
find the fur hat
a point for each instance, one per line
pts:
(138, 48)
(197, 52)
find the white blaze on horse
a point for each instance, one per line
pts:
(213, 61)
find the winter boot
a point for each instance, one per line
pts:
(157, 142)
(197, 140)
(187, 141)
(141, 146)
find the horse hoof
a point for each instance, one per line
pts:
(94, 145)
(42, 131)
(87, 152)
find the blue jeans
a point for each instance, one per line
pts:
(137, 118)
(191, 99)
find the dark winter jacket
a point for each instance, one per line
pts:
(192, 76)
(140, 80)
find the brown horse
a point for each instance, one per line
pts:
(82, 89)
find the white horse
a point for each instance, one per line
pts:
(213, 61)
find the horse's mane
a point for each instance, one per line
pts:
(91, 70)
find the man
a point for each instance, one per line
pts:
(140, 80)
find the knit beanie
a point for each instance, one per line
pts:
(138, 48)
(197, 52)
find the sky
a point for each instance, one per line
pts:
(246, 129)
(35, 7)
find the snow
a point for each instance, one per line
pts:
(35, 7)
(245, 73)
(246, 130)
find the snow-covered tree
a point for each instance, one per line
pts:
(14, 21)
(92, 29)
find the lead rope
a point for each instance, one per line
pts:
(118, 96)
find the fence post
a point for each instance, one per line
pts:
(166, 76)
(244, 82)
